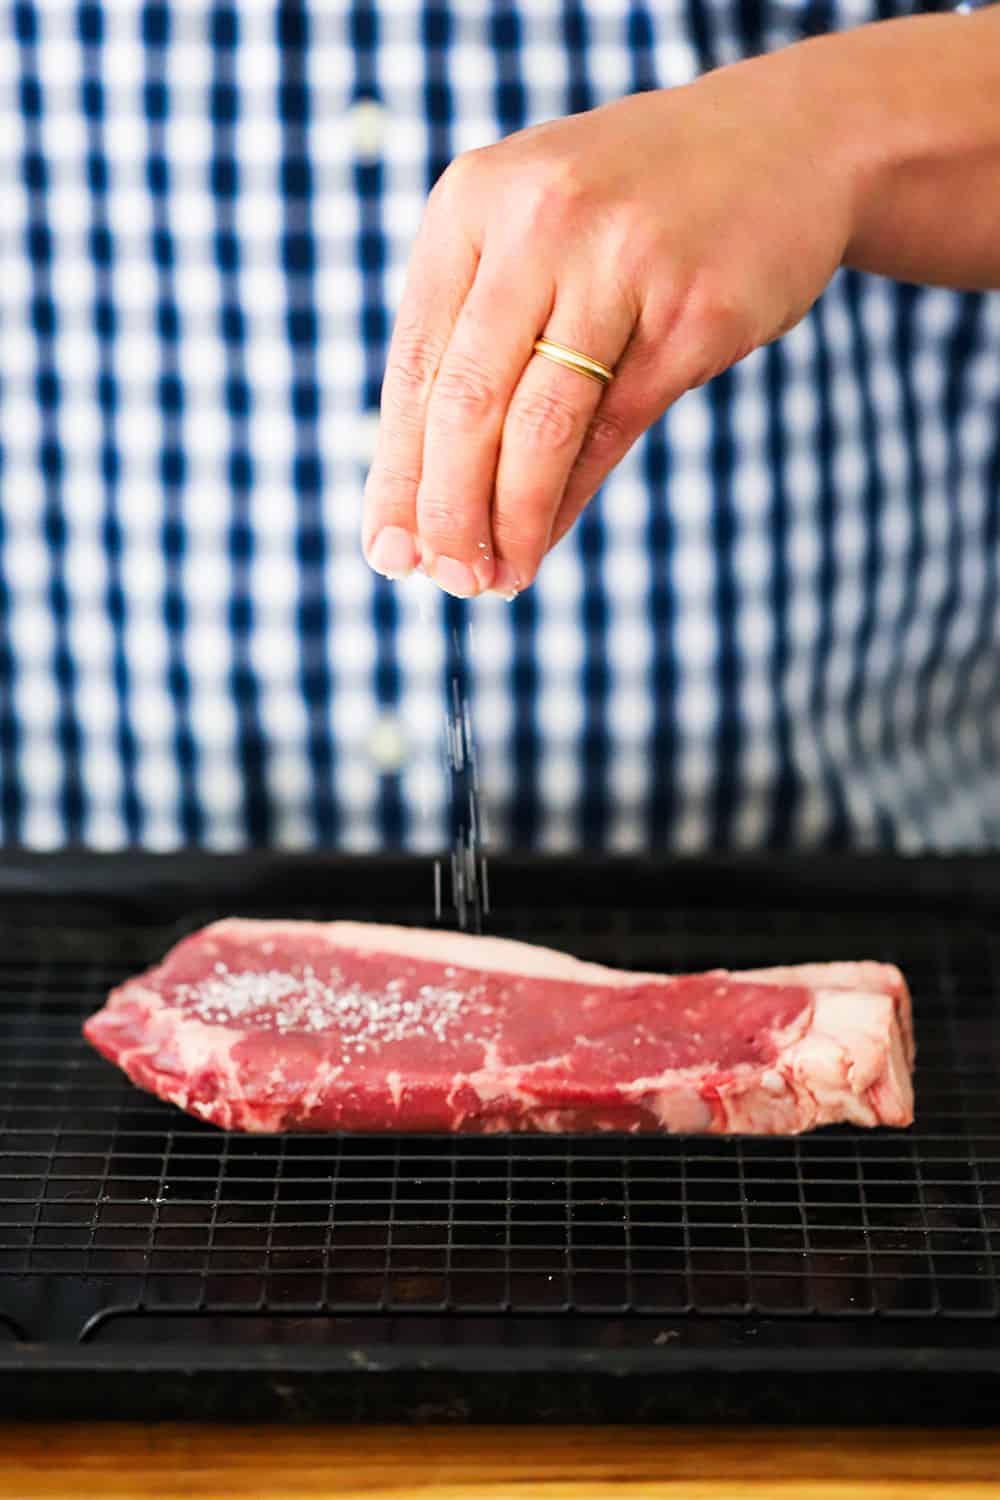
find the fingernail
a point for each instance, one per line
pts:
(485, 571)
(393, 553)
(506, 581)
(454, 577)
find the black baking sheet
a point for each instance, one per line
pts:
(150, 1265)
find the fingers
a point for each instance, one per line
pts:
(486, 451)
(477, 376)
(684, 336)
(548, 419)
(442, 269)
(637, 396)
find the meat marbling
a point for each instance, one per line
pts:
(274, 1025)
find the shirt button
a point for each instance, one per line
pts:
(368, 124)
(386, 745)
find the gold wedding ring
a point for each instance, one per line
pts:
(574, 360)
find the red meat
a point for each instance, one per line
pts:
(271, 1026)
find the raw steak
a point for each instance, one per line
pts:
(272, 1026)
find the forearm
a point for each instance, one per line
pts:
(912, 118)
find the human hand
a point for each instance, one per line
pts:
(665, 235)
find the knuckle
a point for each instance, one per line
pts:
(553, 190)
(710, 305)
(390, 480)
(639, 242)
(415, 358)
(632, 246)
(456, 181)
(463, 390)
(544, 216)
(713, 329)
(438, 517)
(545, 419)
(605, 440)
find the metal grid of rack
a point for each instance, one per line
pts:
(111, 1201)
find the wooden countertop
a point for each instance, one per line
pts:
(181, 1462)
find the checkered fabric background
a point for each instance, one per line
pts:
(779, 624)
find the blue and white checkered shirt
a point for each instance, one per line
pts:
(779, 625)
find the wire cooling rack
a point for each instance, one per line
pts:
(123, 1223)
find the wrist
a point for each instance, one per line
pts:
(849, 88)
(808, 99)
(912, 135)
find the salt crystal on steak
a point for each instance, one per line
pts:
(272, 1025)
